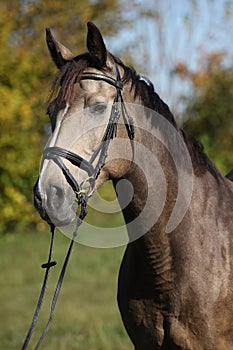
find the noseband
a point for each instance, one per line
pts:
(56, 153)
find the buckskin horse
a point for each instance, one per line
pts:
(175, 288)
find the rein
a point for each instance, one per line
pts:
(81, 191)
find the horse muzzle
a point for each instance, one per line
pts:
(55, 205)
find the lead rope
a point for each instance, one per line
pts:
(83, 212)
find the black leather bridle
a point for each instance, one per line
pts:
(56, 154)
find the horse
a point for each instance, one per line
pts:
(175, 285)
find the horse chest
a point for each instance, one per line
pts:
(142, 307)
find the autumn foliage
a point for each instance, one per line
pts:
(208, 110)
(26, 72)
(25, 78)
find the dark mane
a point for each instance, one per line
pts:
(63, 90)
(200, 160)
(145, 90)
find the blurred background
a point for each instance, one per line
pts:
(185, 48)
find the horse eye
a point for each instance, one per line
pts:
(98, 108)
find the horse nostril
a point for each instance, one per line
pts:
(56, 197)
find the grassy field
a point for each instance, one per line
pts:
(86, 316)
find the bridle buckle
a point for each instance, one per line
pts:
(86, 188)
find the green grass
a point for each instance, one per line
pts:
(86, 316)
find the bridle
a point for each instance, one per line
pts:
(56, 153)
(81, 191)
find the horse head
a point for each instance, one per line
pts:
(84, 115)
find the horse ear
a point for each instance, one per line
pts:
(59, 53)
(95, 44)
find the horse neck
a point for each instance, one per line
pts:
(148, 212)
(153, 178)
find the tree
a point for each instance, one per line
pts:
(162, 33)
(25, 75)
(209, 110)
(26, 69)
